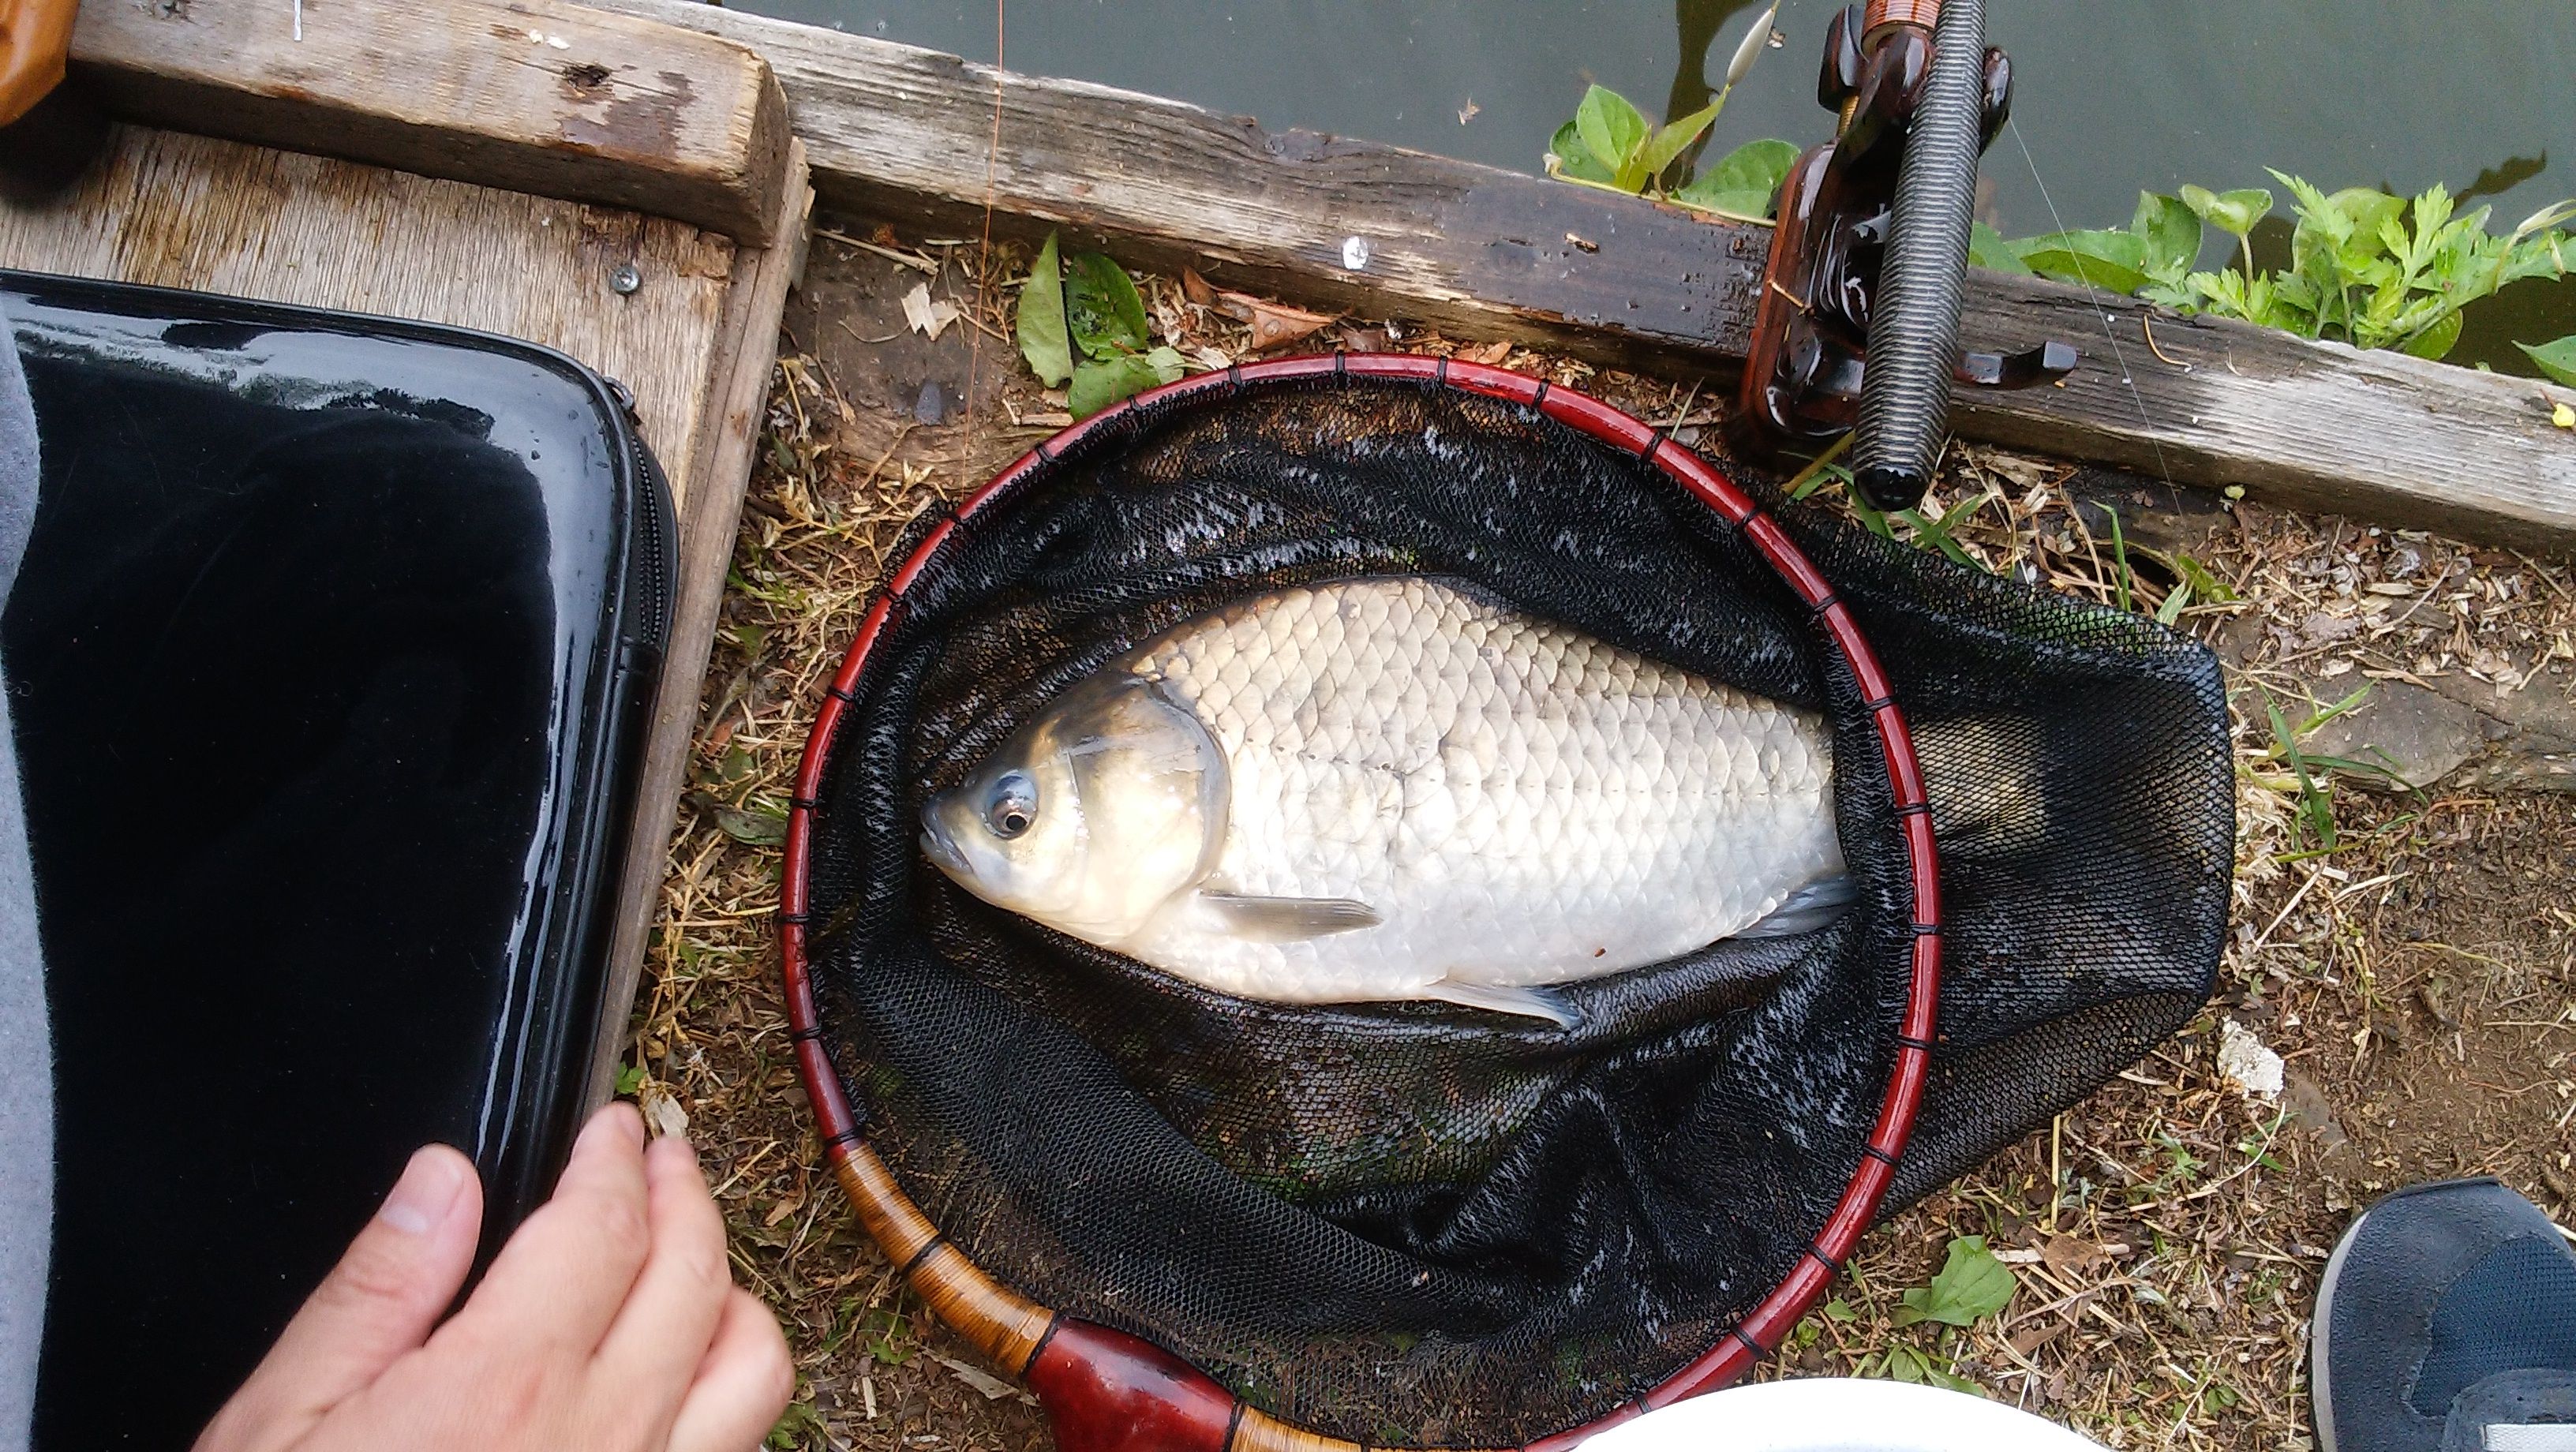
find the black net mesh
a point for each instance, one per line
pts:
(1412, 1225)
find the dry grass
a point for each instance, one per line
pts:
(2166, 1235)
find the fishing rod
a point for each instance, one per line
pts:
(1857, 327)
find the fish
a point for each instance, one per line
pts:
(1399, 788)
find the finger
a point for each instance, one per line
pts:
(742, 1384)
(379, 1302)
(562, 1277)
(670, 1317)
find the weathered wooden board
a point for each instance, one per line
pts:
(540, 96)
(914, 135)
(174, 210)
(737, 391)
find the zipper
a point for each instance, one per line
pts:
(653, 567)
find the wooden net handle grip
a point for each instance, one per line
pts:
(35, 41)
(1884, 13)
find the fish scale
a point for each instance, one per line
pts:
(1519, 804)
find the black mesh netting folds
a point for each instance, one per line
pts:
(1414, 1225)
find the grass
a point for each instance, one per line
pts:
(2407, 955)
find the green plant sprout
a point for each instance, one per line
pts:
(1970, 1287)
(1609, 144)
(2311, 775)
(1092, 305)
(2366, 267)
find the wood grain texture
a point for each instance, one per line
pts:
(172, 210)
(905, 133)
(539, 96)
(1478, 252)
(737, 387)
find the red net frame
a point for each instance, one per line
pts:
(1106, 1390)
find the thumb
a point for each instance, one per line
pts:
(380, 1301)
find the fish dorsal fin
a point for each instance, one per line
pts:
(1538, 1003)
(1288, 919)
(1811, 907)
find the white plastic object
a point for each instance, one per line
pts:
(1831, 1414)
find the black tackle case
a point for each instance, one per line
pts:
(331, 659)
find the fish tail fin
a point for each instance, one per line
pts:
(1540, 1003)
(1813, 906)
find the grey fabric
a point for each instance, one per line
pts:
(2433, 1289)
(26, 1048)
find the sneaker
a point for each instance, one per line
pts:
(2447, 1323)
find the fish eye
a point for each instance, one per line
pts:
(1013, 805)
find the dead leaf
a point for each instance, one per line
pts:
(1366, 340)
(993, 1387)
(2067, 1255)
(928, 318)
(1273, 324)
(1196, 289)
(2029, 1339)
(1490, 354)
(1212, 359)
(662, 1113)
(1468, 112)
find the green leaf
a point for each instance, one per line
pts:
(2436, 340)
(1673, 139)
(2558, 359)
(1744, 182)
(797, 1425)
(1042, 336)
(629, 1080)
(2540, 254)
(2371, 211)
(1988, 249)
(756, 829)
(1097, 385)
(2233, 213)
(1103, 308)
(2171, 232)
(2115, 262)
(1971, 1287)
(1612, 129)
(1574, 159)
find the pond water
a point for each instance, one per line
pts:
(2113, 95)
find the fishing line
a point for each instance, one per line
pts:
(2094, 296)
(984, 254)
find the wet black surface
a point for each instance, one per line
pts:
(326, 661)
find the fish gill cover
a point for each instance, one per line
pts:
(1414, 1224)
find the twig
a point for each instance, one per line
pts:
(920, 264)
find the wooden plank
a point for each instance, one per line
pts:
(911, 135)
(173, 210)
(539, 96)
(737, 390)
(905, 133)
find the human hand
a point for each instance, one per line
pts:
(608, 1323)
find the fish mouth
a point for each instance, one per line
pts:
(936, 846)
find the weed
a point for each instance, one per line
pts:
(1092, 305)
(1610, 144)
(2366, 267)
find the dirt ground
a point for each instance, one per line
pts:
(2416, 975)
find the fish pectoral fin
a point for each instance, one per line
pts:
(1540, 1003)
(1811, 907)
(1288, 919)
